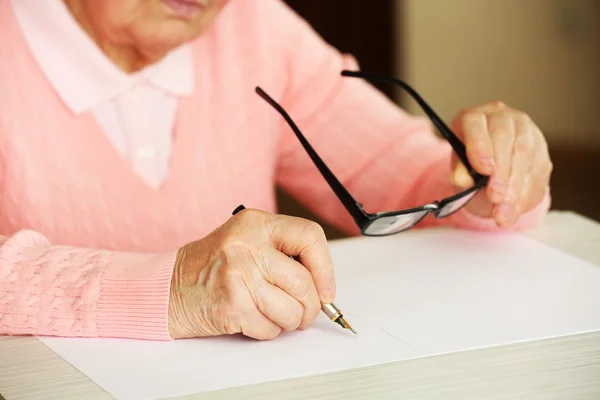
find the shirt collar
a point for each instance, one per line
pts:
(79, 71)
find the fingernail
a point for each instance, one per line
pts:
(329, 293)
(461, 178)
(488, 162)
(504, 212)
(499, 188)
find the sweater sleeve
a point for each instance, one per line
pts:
(48, 290)
(387, 159)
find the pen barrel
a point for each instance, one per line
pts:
(331, 311)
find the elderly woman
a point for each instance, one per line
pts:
(131, 129)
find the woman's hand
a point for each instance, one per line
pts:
(239, 279)
(506, 145)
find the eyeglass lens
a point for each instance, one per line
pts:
(455, 205)
(394, 223)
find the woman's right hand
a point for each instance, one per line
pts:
(239, 279)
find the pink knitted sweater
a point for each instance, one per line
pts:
(88, 248)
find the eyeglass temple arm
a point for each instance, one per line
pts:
(352, 206)
(450, 136)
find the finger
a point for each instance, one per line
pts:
(539, 176)
(305, 240)
(522, 157)
(461, 178)
(542, 165)
(539, 189)
(522, 153)
(257, 326)
(474, 132)
(525, 199)
(294, 279)
(507, 216)
(278, 306)
(502, 134)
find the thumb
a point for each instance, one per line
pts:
(460, 177)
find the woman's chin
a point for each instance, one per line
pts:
(157, 47)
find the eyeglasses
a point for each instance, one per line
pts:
(391, 222)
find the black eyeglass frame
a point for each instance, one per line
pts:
(362, 218)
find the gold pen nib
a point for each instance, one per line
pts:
(336, 316)
(346, 325)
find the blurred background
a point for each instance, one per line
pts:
(541, 56)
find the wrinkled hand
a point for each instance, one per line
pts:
(240, 279)
(506, 145)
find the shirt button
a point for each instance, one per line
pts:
(145, 152)
(138, 91)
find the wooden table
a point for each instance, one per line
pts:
(563, 369)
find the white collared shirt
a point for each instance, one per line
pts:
(136, 111)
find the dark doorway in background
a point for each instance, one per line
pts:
(365, 29)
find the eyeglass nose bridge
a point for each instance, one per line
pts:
(432, 207)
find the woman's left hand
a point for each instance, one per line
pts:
(506, 145)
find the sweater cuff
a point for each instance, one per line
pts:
(134, 296)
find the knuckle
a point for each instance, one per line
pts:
(303, 282)
(278, 221)
(471, 117)
(524, 144)
(269, 334)
(253, 217)
(502, 132)
(271, 221)
(314, 231)
(544, 170)
(275, 224)
(313, 315)
(498, 105)
(549, 168)
(313, 308)
(251, 213)
(523, 116)
(295, 319)
(276, 331)
(544, 146)
(540, 138)
(462, 114)
(303, 285)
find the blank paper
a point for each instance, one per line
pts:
(411, 295)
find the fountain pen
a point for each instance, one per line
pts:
(330, 309)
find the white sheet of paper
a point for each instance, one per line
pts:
(137, 370)
(411, 295)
